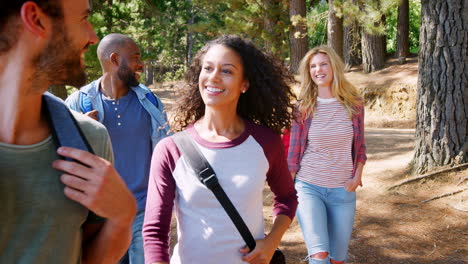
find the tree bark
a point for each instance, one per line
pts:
(352, 45)
(373, 52)
(335, 30)
(402, 41)
(442, 101)
(272, 16)
(297, 35)
(383, 37)
(149, 73)
(190, 38)
(59, 91)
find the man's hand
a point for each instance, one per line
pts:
(96, 185)
(93, 114)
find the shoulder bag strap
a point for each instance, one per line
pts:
(65, 129)
(85, 103)
(208, 177)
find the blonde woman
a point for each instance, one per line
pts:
(326, 155)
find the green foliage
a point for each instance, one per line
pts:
(317, 24)
(158, 27)
(391, 29)
(170, 32)
(70, 89)
(368, 13)
(414, 25)
(163, 28)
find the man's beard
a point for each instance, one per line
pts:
(127, 75)
(60, 63)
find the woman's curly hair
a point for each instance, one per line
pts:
(267, 102)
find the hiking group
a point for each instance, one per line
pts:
(96, 179)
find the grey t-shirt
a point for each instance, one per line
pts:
(38, 223)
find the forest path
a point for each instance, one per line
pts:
(395, 226)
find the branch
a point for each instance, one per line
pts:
(428, 175)
(462, 180)
(444, 195)
(456, 207)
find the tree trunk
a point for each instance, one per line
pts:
(190, 39)
(149, 73)
(108, 18)
(297, 35)
(335, 30)
(273, 38)
(402, 41)
(59, 91)
(352, 45)
(373, 52)
(383, 37)
(442, 102)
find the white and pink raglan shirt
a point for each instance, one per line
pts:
(205, 232)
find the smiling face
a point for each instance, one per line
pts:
(321, 71)
(62, 61)
(221, 80)
(131, 66)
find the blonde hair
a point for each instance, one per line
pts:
(341, 89)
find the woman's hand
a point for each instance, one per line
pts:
(352, 184)
(262, 253)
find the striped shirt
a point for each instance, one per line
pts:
(296, 140)
(327, 160)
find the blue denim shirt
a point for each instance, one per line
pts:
(159, 123)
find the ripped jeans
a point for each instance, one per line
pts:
(326, 218)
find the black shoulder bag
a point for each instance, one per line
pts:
(208, 177)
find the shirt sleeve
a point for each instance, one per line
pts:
(278, 176)
(72, 101)
(160, 201)
(286, 138)
(294, 147)
(361, 152)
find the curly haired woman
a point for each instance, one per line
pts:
(326, 155)
(236, 102)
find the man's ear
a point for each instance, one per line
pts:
(114, 59)
(35, 20)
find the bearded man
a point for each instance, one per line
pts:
(134, 117)
(54, 210)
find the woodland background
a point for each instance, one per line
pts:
(365, 33)
(409, 59)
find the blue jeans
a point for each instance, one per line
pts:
(135, 253)
(326, 217)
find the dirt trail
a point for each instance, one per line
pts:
(391, 227)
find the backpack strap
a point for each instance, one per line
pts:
(208, 177)
(65, 129)
(85, 103)
(152, 98)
